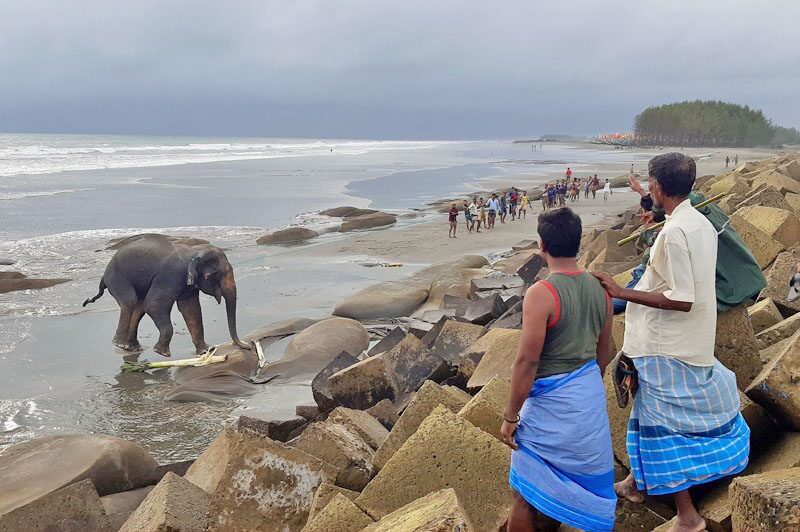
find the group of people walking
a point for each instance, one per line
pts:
(484, 213)
(556, 194)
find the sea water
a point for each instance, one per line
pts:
(63, 197)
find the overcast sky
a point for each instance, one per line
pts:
(386, 69)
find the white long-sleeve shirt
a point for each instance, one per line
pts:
(683, 267)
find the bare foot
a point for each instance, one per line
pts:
(628, 490)
(676, 525)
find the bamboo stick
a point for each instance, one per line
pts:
(700, 205)
(202, 360)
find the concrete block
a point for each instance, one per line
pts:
(768, 353)
(454, 338)
(276, 429)
(735, 345)
(119, 506)
(308, 411)
(363, 384)
(174, 504)
(446, 451)
(763, 315)
(766, 502)
(385, 413)
(791, 169)
(777, 387)
(763, 247)
(340, 515)
(482, 311)
(496, 282)
(429, 396)
(257, 484)
(531, 268)
(73, 508)
(325, 493)
(781, 224)
(605, 247)
(775, 179)
(794, 201)
(767, 196)
(783, 451)
(439, 511)
(499, 347)
(732, 184)
(362, 423)
(320, 385)
(411, 362)
(780, 331)
(525, 245)
(394, 337)
(341, 447)
(485, 410)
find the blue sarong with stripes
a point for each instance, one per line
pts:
(564, 466)
(685, 427)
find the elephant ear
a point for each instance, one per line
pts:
(191, 274)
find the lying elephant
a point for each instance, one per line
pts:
(150, 273)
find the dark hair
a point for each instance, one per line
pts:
(560, 231)
(675, 172)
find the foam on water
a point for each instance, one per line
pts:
(45, 154)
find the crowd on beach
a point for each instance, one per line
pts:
(515, 202)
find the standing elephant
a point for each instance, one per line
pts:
(149, 273)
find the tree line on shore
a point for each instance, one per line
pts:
(709, 123)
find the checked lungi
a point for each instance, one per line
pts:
(685, 427)
(564, 466)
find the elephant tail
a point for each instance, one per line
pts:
(99, 294)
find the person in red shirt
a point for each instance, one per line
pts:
(453, 221)
(569, 173)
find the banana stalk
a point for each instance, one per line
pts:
(202, 360)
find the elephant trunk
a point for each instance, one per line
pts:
(229, 293)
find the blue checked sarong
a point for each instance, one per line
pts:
(685, 427)
(564, 466)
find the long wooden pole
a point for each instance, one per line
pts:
(700, 205)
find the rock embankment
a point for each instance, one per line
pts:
(404, 435)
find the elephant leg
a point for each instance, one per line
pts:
(159, 311)
(126, 298)
(133, 330)
(193, 315)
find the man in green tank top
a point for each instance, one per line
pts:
(562, 465)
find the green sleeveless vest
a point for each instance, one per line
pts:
(581, 310)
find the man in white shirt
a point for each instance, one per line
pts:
(685, 427)
(472, 209)
(606, 191)
(494, 208)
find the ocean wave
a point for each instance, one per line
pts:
(5, 196)
(33, 158)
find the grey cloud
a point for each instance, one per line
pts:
(374, 68)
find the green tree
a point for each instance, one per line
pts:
(709, 123)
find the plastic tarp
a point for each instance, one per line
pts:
(739, 277)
